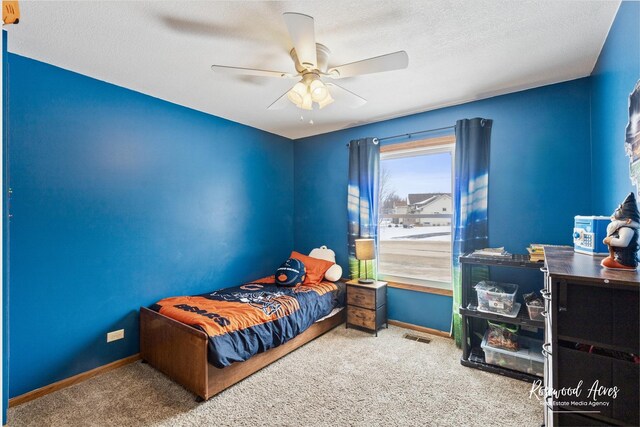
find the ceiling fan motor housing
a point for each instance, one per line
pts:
(322, 55)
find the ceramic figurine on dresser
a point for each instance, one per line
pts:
(622, 236)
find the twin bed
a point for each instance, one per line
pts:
(211, 341)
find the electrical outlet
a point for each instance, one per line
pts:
(115, 335)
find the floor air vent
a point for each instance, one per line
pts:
(418, 338)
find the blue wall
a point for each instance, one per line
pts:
(613, 79)
(430, 310)
(121, 199)
(5, 229)
(540, 144)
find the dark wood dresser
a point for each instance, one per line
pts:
(592, 330)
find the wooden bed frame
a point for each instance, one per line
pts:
(180, 352)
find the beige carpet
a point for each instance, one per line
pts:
(346, 377)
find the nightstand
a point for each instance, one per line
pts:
(367, 305)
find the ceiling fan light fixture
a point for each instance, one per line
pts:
(326, 101)
(294, 97)
(318, 90)
(297, 93)
(307, 102)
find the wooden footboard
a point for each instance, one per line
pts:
(175, 349)
(180, 352)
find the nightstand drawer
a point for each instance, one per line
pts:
(365, 298)
(368, 319)
(361, 317)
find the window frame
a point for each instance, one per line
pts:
(437, 145)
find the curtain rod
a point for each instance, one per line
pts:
(409, 135)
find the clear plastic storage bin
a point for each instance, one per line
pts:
(496, 297)
(535, 312)
(527, 359)
(502, 335)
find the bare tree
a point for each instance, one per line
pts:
(388, 195)
(390, 202)
(385, 185)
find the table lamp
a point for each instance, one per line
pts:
(365, 250)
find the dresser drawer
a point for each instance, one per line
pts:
(365, 298)
(575, 366)
(577, 420)
(589, 313)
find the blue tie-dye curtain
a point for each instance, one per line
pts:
(471, 230)
(362, 203)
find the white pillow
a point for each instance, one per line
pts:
(334, 273)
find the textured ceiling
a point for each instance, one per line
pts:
(458, 51)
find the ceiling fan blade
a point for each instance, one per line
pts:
(378, 64)
(249, 71)
(345, 96)
(302, 33)
(280, 103)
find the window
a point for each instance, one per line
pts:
(415, 212)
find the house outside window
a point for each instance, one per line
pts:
(416, 206)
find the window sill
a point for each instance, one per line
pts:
(420, 288)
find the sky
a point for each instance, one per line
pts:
(430, 173)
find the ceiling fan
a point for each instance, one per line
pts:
(311, 64)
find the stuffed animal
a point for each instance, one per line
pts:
(622, 236)
(334, 272)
